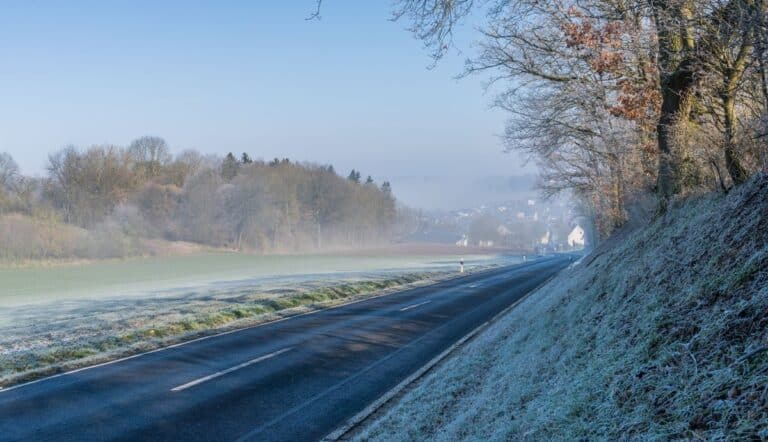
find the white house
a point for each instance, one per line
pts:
(576, 237)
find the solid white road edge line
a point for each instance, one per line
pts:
(414, 306)
(229, 370)
(357, 419)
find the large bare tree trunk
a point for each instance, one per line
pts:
(735, 169)
(619, 216)
(675, 90)
(677, 46)
(761, 47)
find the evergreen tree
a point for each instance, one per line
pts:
(246, 159)
(386, 187)
(369, 180)
(229, 167)
(354, 176)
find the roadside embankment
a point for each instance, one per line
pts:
(661, 335)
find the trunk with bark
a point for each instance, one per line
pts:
(675, 90)
(732, 163)
(619, 216)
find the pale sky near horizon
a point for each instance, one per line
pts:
(351, 89)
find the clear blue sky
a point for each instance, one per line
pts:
(352, 89)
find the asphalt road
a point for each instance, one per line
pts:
(296, 379)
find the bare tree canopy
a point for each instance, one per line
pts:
(107, 201)
(433, 21)
(616, 100)
(9, 171)
(151, 152)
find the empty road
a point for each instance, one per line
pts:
(296, 379)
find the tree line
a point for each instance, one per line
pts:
(629, 104)
(125, 195)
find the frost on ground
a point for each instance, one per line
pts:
(57, 318)
(659, 335)
(46, 338)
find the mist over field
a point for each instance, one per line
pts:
(117, 250)
(156, 277)
(72, 315)
(109, 201)
(436, 192)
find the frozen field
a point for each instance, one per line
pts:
(169, 275)
(59, 317)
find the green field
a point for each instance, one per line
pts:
(64, 316)
(141, 276)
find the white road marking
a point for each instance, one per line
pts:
(341, 431)
(414, 306)
(229, 370)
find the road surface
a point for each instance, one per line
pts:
(297, 379)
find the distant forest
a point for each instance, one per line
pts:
(113, 201)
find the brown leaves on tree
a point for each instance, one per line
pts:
(602, 44)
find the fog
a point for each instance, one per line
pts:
(257, 79)
(349, 93)
(170, 174)
(446, 192)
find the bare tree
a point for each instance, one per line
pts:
(615, 97)
(577, 81)
(9, 172)
(150, 153)
(87, 185)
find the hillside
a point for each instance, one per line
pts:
(109, 201)
(659, 334)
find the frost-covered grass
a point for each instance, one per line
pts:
(54, 318)
(659, 335)
(46, 339)
(142, 276)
